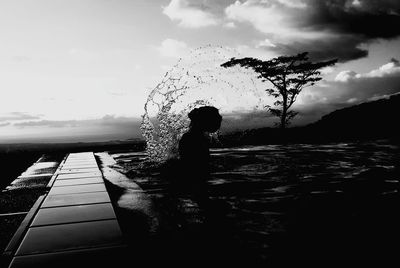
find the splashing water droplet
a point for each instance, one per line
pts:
(195, 81)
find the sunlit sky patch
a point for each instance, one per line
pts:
(83, 68)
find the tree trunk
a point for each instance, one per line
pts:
(283, 120)
(284, 113)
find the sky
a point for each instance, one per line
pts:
(81, 70)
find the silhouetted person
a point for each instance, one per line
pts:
(195, 154)
(213, 242)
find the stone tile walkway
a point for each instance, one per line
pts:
(75, 224)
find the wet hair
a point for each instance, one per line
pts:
(206, 118)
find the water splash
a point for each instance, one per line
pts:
(196, 80)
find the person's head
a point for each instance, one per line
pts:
(205, 118)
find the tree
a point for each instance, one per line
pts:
(288, 76)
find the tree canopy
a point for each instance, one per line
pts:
(288, 75)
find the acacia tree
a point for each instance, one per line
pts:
(288, 76)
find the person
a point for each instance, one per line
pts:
(194, 152)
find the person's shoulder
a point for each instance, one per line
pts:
(187, 138)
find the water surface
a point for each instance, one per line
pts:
(302, 203)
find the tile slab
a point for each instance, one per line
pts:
(80, 166)
(86, 170)
(74, 165)
(63, 237)
(72, 189)
(69, 160)
(80, 155)
(75, 199)
(76, 224)
(78, 181)
(91, 158)
(81, 213)
(78, 175)
(91, 257)
(82, 161)
(77, 160)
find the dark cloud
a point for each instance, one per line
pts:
(348, 24)
(354, 22)
(369, 18)
(16, 116)
(4, 124)
(344, 48)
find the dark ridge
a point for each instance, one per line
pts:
(370, 120)
(367, 121)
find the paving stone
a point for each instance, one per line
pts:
(78, 170)
(80, 166)
(84, 161)
(91, 257)
(81, 213)
(76, 223)
(75, 189)
(72, 165)
(91, 158)
(86, 170)
(54, 238)
(75, 199)
(78, 175)
(80, 161)
(78, 181)
(80, 155)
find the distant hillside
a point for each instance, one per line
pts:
(371, 120)
(375, 119)
(114, 145)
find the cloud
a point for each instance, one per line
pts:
(265, 18)
(348, 88)
(293, 3)
(278, 21)
(107, 120)
(327, 29)
(246, 120)
(48, 123)
(391, 68)
(229, 25)
(17, 116)
(21, 58)
(173, 48)
(116, 121)
(265, 43)
(345, 76)
(4, 124)
(189, 15)
(380, 97)
(109, 127)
